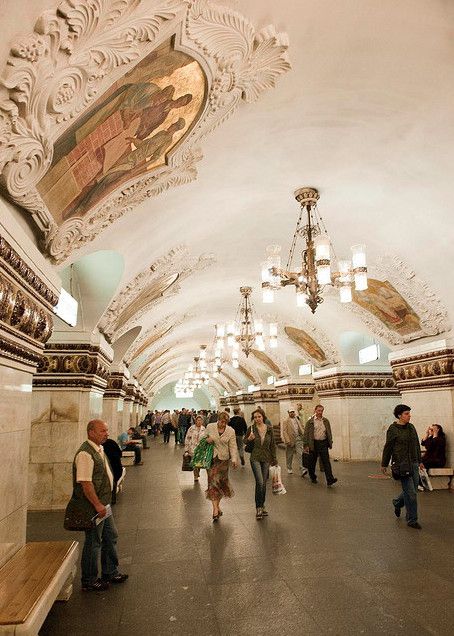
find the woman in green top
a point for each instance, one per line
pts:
(263, 454)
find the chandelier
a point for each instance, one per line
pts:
(196, 376)
(314, 272)
(245, 332)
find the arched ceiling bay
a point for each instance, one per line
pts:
(365, 116)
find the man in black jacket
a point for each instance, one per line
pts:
(402, 445)
(238, 423)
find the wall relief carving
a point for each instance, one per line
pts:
(430, 370)
(357, 384)
(72, 365)
(57, 72)
(399, 307)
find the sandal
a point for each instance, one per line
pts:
(215, 517)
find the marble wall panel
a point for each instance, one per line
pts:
(40, 486)
(433, 407)
(12, 533)
(112, 413)
(15, 398)
(13, 476)
(61, 484)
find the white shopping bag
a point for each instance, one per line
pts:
(277, 485)
(425, 479)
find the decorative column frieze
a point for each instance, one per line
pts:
(417, 369)
(73, 365)
(337, 382)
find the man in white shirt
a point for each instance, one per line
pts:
(317, 441)
(92, 486)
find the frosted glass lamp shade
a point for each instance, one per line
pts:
(258, 325)
(235, 364)
(273, 342)
(324, 274)
(301, 298)
(322, 248)
(220, 331)
(359, 256)
(230, 340)
(360, 281)
(273, 328)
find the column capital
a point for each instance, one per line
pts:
(427, 367)
(72, 365)
(355, 382)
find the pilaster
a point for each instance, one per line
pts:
(113, 399)
(28, 292)
(358, 402)
(67, 393)
(425, 377)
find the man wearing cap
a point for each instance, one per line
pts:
(290, 431)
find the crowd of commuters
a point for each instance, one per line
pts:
(97, 466)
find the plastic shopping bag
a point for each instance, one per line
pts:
(425, 479)
(203, 454)
(276, 480)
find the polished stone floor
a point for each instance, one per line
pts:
(326, 561)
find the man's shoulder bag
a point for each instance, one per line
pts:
(400, 469)
(78, 515)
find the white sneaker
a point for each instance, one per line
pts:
(289, 471)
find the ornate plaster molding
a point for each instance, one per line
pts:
(177, 261)
(425, 371)
(116, 385)
(357, 385)
(295, 391)
(149, 341)
(79, 365)
(54, 73)
(428, 306)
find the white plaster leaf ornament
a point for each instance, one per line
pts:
(74, 55)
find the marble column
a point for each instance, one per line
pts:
(293, 392)
(113, 399)
(359, 403)
(128, 405)
(67, 393)
(28, 292)
(424, 375)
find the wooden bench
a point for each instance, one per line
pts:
(440, 478)
(36, 576)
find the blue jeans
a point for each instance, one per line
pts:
(260, 470)
(101, 539)
(408, 496)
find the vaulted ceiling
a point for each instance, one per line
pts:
(156, 207)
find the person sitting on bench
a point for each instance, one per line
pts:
(434, 442)
(126, 442)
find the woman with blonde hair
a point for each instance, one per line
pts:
(222, 436)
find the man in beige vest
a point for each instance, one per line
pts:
(290, 431)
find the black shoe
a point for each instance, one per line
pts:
(314, 480)
(397, 510)
(414, 524)
(242, 461)
(97, 586)
(331, 481)
(119, 578)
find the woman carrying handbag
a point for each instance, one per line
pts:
(193, 437)
(260, 443)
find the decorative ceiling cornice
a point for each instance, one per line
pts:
(422, 299)
(56, 72)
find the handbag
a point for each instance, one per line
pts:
(425, 479)
(203, 455)
(250, 443)
(277, 485)
(400, 469)
(78, 515)
(186, 465)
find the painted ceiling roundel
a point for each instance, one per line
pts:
(126, 133)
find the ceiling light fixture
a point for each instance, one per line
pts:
(315, 270)
(246, 331)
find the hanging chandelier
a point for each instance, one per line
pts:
(314, 272)
(245, 332)
(197, 374)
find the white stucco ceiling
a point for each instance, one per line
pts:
(365, 115)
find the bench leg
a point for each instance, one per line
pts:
(67, 588)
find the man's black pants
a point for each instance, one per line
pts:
(320, 449)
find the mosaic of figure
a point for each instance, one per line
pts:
(306, 343)
(126, 133)
(384, 301)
